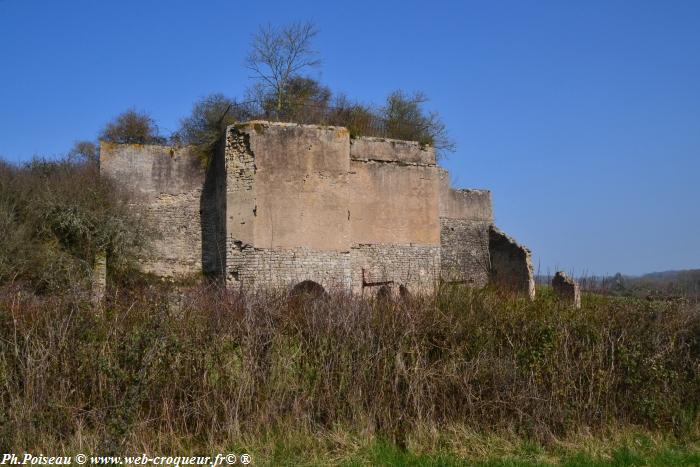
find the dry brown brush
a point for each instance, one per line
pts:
(55, 216)
(145, 370)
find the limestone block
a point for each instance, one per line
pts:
(391, 150)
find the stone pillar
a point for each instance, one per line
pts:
(566, 289)
(99, 277)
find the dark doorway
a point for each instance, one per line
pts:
(308, 289)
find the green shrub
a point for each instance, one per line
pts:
(132, 127)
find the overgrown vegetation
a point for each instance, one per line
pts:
(405, 118)
(281, 91)
(149, 372)
(56, 215)
(279, 57)
(207, 122)
(305, 100)
(132, 127)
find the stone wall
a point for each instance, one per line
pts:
(393, 204)
(511, 265)
(239, 165)
(301, 208)
(394, 225)
(280, 203)
(468, 204)
(251, 268)
(415, 267)
(465, 219)
(166, 188)
(365, 148)
(464, 257)
(288, 217)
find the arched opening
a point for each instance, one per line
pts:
(308, 289)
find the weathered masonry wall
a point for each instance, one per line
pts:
(511, 265)
(465, 219)
(301, 186)
(287, 194)
(395, 232)
(166, 185)
(415, 267)
(280, 204)
(284, 267)
(367, 148)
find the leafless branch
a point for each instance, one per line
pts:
(278, 54)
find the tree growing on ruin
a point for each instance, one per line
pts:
(305, 101)
(132, 127)
(206, 124)
(360, 119)
(404, 117)
(278, 55)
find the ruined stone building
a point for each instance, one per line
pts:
(280, 204)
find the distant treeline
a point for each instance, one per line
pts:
(666, 284)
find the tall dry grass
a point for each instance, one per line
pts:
(148, 372)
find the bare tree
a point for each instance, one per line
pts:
(278, 54)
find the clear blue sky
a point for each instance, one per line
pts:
(583, 118)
